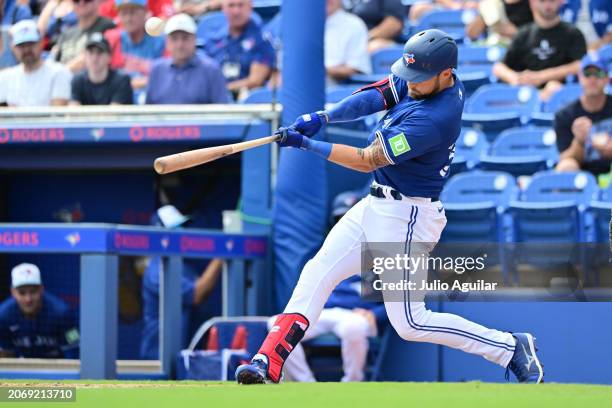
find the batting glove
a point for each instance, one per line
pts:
(310, 123)
(290, 138)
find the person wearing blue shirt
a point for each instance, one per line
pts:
(14, 11)
(346, 314)
(601, 18)
(246, 57)
(409, 152)
(195, 289)
(33, 323)
(186, 77)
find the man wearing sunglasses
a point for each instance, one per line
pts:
(574, 122)
(70, 48)
(34, 323)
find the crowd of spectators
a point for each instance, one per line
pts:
(544, 49)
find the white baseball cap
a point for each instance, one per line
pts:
(180, 22)
(170, 217)
(25, 31)
(25, 274)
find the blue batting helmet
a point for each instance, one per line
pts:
(426, 54)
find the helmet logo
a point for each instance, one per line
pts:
(409, 58)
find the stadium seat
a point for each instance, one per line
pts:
(475, 203)
(495, 107)
(452, 22)
(522, 151)
(605, 53)
(479, 56)
(552, 206)
(383, 59)
(545, 111)
(468, 149)
(260, 95)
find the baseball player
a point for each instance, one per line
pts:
(409, 152)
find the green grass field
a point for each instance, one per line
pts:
(106, 394)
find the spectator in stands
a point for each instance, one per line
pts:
(574, 122)
(133, 49)
(163, 9)
(501, 19)
(99, 84)
(71, 44)
(420, 8)
(185, 77)
(346, 43)
(246, 57)
(34, 323)
(197, 8)
(195, 288)
(346, 314)
(14, 11)
(7, 59)
(384, 19)
(34, 82)
(544, 52)
(56, 17)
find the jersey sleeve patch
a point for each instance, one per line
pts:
(399, 144)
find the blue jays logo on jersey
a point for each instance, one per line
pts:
(409, 58)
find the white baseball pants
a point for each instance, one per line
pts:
(409, 221)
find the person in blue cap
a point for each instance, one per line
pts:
(409, 152)
(195, 288)
(574, 123)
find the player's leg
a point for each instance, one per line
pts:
(420, 229)
(338, 258)
(353, 330)
(296, 367)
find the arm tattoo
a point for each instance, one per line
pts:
(375, 155)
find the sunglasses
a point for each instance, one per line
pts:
(597, 74)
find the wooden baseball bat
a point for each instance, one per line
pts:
(191, 158)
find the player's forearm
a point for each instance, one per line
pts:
(352, 157)
(205, 283)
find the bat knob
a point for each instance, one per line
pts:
(160, 166)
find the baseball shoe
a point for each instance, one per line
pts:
(252, 373)
(525, 364)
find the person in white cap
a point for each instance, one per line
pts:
(34, 82)
(196, 287)
(34, 323)
(186, 77)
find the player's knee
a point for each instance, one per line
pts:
(567, 164)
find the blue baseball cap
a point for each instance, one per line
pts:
(593, 59)
(141, 3)
(25, 31)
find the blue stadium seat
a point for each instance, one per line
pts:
(605, 53)
(552, 206)
(475, 203)
(522, 151)
(479, 56)
(495, 107)
(452, 22)
(383, 59)
(468, 149)
(545, 111)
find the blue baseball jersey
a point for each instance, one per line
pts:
(53, 333)
(236, 54)
(418, 137)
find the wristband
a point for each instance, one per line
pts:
(317, 146)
